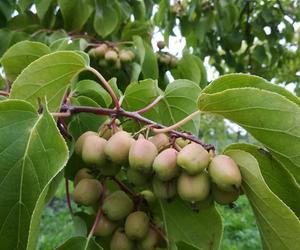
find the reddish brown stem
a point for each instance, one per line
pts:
(124, 187)
(137, 117)
(68, 196)
(4, 93)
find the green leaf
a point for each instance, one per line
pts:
(20, 55)
(80, 243)
(139, 95)
(149, 66)
(93, 90)
(106, 18)
(42, 7)
(32, 154)
(188, 68)
(235, 81)
(48, 76)
(278, 179)
(202, 230)
(180, 101)
(83, 122)
(75, 13)
(24, 4)
(278, 225)
(272, 118)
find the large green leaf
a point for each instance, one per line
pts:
(180, 101)
(75, 12)
(32, 152)
(202, 230)
(278, 179)
(272, 118)
(20, 55)
(48, 76)
(278, 225)
(42, 7)
(139, 95)
(94, 91)
(233, 81)
(80, 243)
(106, 18)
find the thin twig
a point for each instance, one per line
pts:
(124, 187)
(135, 116)
(150, 106)
(4, 93)
(106, 86)
(176, 125)
(68, 196)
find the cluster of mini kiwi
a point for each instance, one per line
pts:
(165, 59)
(110, 56)
(156, 167)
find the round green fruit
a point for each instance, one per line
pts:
(193, 187)
(101, 50)
(80, 140)
(111, 56)
(117, 147)
(160, 44)
(224, 197)
(117, 206)
(161, 141)
(120, 241)
(83, 173)
(136, 178)
(193, 158)
(182, 142)
(87, 192)
(225, 173)
(126, 56)
(148, 195)
(105, 227)
(142, 154)
(105, 131)
(165, 164)
(164, 189)
(149, 242)
(137, 225)
(93, 150)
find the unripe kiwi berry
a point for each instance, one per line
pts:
(102, 63)
(148, 195)
(160, 44)
(120, 241)
(193, 188)
(149, 242)
(224, 197)
(126, 56)
(164, 190)
(225, 173)
(105, 227)
(193, 158)
(137, 225)
(182, 142)
(142, 154)
(165, 164)
(93, 150)
(117, 147)
(80, 140)
(161, 141)
(87, 192)
(111, 56)
(117, 205)
(101, 50)
(136, 177)
(106, 132)
(83, 173)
